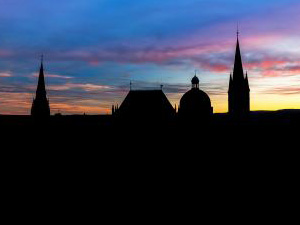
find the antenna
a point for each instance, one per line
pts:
(237, 30)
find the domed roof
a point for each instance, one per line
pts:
(195, 80)
(195, 97)
(195, 104)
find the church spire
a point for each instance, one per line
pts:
(40, 105)
(239, 91)
(41, 88)
(238, 71)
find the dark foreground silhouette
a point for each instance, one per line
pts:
(82, 166)
(115, 132)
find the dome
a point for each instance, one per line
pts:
(195, 80)
(195, 98)
(195, 105)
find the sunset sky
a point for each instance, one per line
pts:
(93, 48)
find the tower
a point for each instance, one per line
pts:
(40, 105)
(239, 91)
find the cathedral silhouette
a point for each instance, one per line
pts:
(195, 104)
(146, 108)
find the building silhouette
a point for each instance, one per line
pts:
(40, 106)
(239, 91)
(195, 105)
(146, 106)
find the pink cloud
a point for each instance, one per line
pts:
(85, 87)
(6, 74)
(15, 103)
(54, 76)
(260, 40)
(77, 109)
(272, 67)
(284, 90)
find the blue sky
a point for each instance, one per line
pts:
(93, 48)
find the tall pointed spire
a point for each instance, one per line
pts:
(41, 88)
(238, 71)
(40, 105)
(238, 92)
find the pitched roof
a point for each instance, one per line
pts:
(152, 103)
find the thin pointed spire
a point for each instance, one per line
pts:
(40, 105)
(41, 89)
(238, 92)
(238, 71)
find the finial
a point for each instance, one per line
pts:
(196, 72)
(130, 85)
(237, 30)
(161, 87)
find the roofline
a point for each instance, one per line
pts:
(146, 90)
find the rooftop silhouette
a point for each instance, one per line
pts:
(145, 108)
